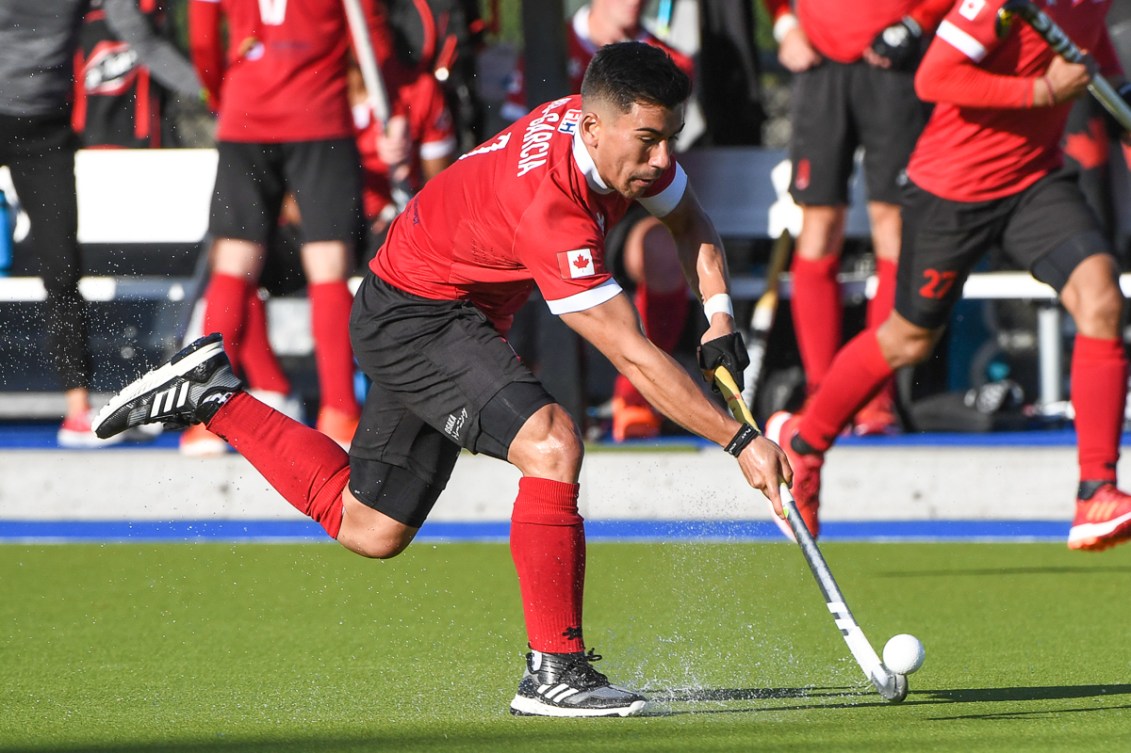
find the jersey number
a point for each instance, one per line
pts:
(272, 12)
(938, 284)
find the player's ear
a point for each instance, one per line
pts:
(590, 128)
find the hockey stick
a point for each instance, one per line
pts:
(762, 319)
(374, 87)
(1067, 49)
(892, 686)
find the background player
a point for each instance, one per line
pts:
(640, 249)
(986, 172)
(853, 66)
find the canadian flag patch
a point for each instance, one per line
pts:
(576, 263)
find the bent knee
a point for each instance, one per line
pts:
(370, 533)
(548, 445)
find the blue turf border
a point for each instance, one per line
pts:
(95, 531)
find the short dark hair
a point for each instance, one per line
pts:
(626, 73)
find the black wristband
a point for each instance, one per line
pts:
(745, 436)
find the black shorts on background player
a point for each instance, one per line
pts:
(837, 107)
(1047, 229)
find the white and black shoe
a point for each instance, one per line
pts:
(567, 685)
(189, 389)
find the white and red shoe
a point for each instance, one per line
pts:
(1103, 518)
(781, 429)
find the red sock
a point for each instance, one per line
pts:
(1099, 392)
(260, 365)
(225, 301)
(817, 315)
(663, 315)
(858, 372)
(330, 304)
(308, 468)
(548, 549)
(881, 304)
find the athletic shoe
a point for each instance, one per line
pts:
(781, 430)
(189, 389)
(1103, 517)
(198, 442)
(76, 433)
(634, 421)
(338, 426)
(877, 418)
(567, 685)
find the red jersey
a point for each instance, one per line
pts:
(284, 72)
(430, 126)
(526, 208)
(579, 51)
(842, 29)
(978, 153)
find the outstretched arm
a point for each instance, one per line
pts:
(612, 327)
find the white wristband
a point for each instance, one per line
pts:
(785, 24)
(719, 303)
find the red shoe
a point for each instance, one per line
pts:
(198, 442)
(1103, 519)
(877, 418)
(781, 429)
(634, 421)
(338, 426)
(76, 433)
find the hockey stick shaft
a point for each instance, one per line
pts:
(1067, 49)
(375, 89)
(884, 681)
(762, 318)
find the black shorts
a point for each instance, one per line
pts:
(1047, 229)
(837, 107)
(251, 180)
(443, 378)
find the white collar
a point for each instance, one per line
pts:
(586, 164)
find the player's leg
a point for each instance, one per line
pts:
(890, 117)
(449, 366)
(325, 179)
(649, 260)
(43, 171)
(1058, 237)
(821, 150)
(878, 415)
(938, 255)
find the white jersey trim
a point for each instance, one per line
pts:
(586, 299)
(438, 149)
(961, 41)
(586, 165)
(665, 201)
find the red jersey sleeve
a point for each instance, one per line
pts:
(950, 70)
(929, 13)
(564, 250)
(206, 46)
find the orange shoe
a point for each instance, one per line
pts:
(76, 433)
(198, 442)
(1103, 518)
(781, 429)
(634, 421)
(877, 418)
(338, 426)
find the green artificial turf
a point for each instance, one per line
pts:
(247, 648)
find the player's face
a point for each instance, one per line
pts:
(632, 149)
(623, 14)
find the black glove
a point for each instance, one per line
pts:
(900, 44)
(729, 351)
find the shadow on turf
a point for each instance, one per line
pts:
(856, 697)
